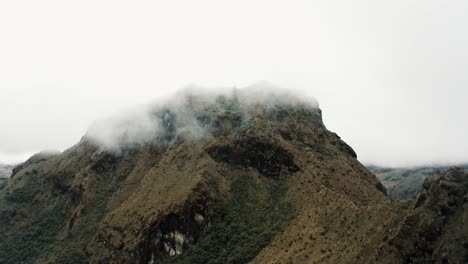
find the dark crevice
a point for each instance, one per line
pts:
(174, 233)
(268, 159)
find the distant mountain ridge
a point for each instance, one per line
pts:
(406, 182)
(5, 172)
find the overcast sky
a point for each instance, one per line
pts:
(391, 76)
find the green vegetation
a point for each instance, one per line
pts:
(22, 195)
(244, 223)
(47, 239)
(35, 239)
(327, 152)
(26, 193)
(72, 249)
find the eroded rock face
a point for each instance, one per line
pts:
(175, 233)
(267, 158)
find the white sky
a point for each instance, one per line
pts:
(390, 76)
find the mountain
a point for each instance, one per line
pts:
(222, 179)
(435, 231)
(405, 183)
(5, 172)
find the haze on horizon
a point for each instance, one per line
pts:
(391, 77)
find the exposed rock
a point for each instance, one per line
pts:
(266, 157)
(336, 140)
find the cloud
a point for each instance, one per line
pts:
(14, 158)
(180, 115)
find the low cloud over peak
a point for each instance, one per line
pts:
(176, 114)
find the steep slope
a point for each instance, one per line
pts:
(226, 179)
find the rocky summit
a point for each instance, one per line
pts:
(229, 179)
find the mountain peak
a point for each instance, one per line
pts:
(196, 113)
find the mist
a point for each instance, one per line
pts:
(390, 76)
(176, 114)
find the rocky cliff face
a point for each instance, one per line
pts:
(261, 182)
